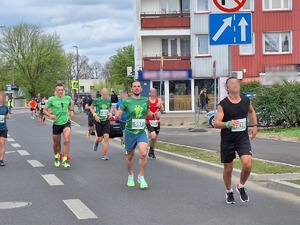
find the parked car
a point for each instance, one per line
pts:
(115, 128)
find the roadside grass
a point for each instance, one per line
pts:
(258, 166)
(294, 181)
(291, 132)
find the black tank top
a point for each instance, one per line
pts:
(238, 111)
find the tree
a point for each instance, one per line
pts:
(85, 71)
(118, 66)
(96, 69)
(39, 59)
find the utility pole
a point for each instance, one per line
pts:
(77, 68)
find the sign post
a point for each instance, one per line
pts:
(215, 85)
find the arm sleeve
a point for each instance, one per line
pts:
(49, 103)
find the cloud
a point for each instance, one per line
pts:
(97, 27)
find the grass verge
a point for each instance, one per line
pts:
(294, 181)
(258, 166)
(290, 132)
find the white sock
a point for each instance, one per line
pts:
(241, 185)
(229, 191)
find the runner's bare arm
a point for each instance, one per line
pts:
(155, 115)
(219, 117)
(111, 110)
(253, 118)
(92, 109)
(47, 113)
(161, 106)
(71, 110)
(8, 116)
(119, 114)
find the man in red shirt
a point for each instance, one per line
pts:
(153, 125)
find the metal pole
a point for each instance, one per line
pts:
(13, 73)
(161, 76)
(229, 61)
(77, 68)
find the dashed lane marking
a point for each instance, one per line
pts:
(23, 152)
(52, 180)
(80, 210)
(10, 139)
(35, 163)
(16, 145)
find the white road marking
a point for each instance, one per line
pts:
(23, 152)
(9, 152)
(80, 210)
(52, 180)
(10, 139)
(16, 145)
(35, 163)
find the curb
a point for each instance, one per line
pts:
(284, 186)
(274, 181)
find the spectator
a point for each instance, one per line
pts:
(114, 100)
(204, 100)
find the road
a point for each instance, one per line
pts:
(279, 151)
(178, 193)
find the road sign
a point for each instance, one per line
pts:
(229, 6)
(230, 28)
(9, 89)
(75, 85)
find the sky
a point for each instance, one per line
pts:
(97, 27)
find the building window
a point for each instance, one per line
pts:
(168, 6)
(248, 49)
(92, 88)
(277, 4)
(202, 5)
(249, 6)
(277, 42)
(81, 88)
(185, 49)
(185, 5)
(203, 44)
(180, 95)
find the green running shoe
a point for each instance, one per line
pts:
(130, 182)
(56, 160)
(66, 164)
(142, 182)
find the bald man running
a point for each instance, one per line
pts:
(102, 111)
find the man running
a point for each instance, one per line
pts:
(32, 105)
(90, 115)
(4, 115)
(42, 106)
(62, 111)
(153, 125)
(122, 121)
(231, 118)
(136, 108)
(38, 100)
(102, 112)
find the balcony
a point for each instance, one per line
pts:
(165, 20)
(169, 63)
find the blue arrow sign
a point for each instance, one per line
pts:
(230, 28)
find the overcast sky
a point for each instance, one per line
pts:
(97, 27)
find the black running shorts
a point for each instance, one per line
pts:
(102, 128)
(3, 133)
(59, 129)
(153, 129)
(229, 150)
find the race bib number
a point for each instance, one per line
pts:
(138, 124)
(103, 112)
(241, 127)
(154, 123)
(2, 119)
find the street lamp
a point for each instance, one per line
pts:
(77, 59)
(77, 70)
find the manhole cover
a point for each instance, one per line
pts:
(14, 205)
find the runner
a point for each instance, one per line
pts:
(153, 125)
(4, 115)
(136, 108)
(102, 112)
(32, 105)
(38, 100)
(42, 106)
(231, 118)
(90, 115)
(62, 111)
(122, 121)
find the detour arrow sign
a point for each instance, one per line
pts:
(223, 5)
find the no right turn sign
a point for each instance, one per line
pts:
(229, 5)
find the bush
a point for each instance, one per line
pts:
(278, 104)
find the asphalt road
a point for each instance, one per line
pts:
(279, 151)
(96, 190)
